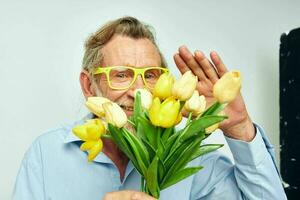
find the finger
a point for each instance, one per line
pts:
(180, 64)
(141, 196)
(221, 68)
(190, 61)
(207, 67)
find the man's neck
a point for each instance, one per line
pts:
(111, 150)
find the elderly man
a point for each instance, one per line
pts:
(55, 168)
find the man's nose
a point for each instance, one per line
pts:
(138, 84)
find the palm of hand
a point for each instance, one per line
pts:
(208, 74)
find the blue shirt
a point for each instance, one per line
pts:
(54, 168)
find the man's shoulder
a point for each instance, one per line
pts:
(61, 134)
(56, 135)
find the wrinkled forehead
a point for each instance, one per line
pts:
(122, 50)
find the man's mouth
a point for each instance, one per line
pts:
(128, 108)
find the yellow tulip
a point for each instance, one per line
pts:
(184, 87)
(211, 128)
(196, 104)
(146, 98)
(165, 114)
(114, 114)
(94, 104)
(90, 133)
(227, 87)
(163, 86)
(179, 118)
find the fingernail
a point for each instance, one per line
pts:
(213, 53)
(198, 53)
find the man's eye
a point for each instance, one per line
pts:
(121, 75)
(150, 76)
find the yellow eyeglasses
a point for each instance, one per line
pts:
(123, 77)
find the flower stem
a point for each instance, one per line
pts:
(189, 118)
(142, 184)
(131, 122)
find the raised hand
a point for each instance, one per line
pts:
(239, 124)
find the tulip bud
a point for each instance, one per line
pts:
(163, 86)
(94, 104)
(146, 98)
(165, 114)
(114, 114)
(227, 87)
(184, 87)
(196, 104)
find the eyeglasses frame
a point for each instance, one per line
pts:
(137, 71)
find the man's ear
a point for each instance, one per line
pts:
(86, 84)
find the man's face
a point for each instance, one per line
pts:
(125, 51)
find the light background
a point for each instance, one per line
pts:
(41, 47)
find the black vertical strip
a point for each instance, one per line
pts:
(290, 112)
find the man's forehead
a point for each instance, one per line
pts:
(122, 50)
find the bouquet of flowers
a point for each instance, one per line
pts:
(159, 152)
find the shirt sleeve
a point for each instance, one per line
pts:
(255, 170)
(29, 183)
(253, 175)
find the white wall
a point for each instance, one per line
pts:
(41, 47)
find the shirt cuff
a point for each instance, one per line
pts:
(248, 153)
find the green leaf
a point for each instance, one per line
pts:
(182, 159)
(150, 148)
(139, 145)
(174, 155)
(180, 175)
(204, 149)
(214, 109)
(200, 124)
(138, 150)
(161, 170)
(119, 139)
(170, 142)
(137, 111)
(166, 134)
(148, 130)
(151, 178)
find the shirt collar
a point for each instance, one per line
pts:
(101, 157)
(70, 136)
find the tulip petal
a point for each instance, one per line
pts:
(93, 132)
(80, 132)
(184, 87)
(114, 114)
(146, 98)
(87, 145)
(163, 86)
(227, 87)
(94, 104)
(95, 150)
(211, 128)
(154, 111)
(169, 112)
